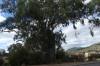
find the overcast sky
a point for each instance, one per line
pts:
(84, 38)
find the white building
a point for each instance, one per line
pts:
(2, 51)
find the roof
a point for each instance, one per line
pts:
(92, 52)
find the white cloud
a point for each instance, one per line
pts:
(86, 1)
(6, 39)
(1, 18)
(83, 39)
(7, 35)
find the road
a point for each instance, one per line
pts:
(91, 64)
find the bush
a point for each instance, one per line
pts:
(61, 55)
(65, 58)
(92, 58)
(59, 61)
(23, 56)
(74, 58)
(36, 58)
(17, 58)
(6, 62)
(1, 62)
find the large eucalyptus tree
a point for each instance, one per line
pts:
(36, 20)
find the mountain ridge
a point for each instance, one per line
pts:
(93, 47)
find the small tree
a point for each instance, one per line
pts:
(23, 55)
(18, 56)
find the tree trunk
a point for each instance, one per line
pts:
(52, 54)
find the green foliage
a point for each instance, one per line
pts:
(60, 53)
(1, 62)
(74, 58)
(14, 47)
(18, 57)
(59, 61)
(21, 55)
(6, 62)
(66, 58)
(36, 57)
(93, 57)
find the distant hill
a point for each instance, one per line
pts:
(94, 47)
(75, 49)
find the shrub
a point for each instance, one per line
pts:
(24, 57)
(36, 58)
(6, 62)
(61, 55)
(74, 58)
(65, 58)
(17, 58)
(92, 58)
(1, 62)
(59, 61)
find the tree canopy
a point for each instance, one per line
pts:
(36, 20)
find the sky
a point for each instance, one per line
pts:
(84, 38)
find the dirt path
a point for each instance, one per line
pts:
(66, 64)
